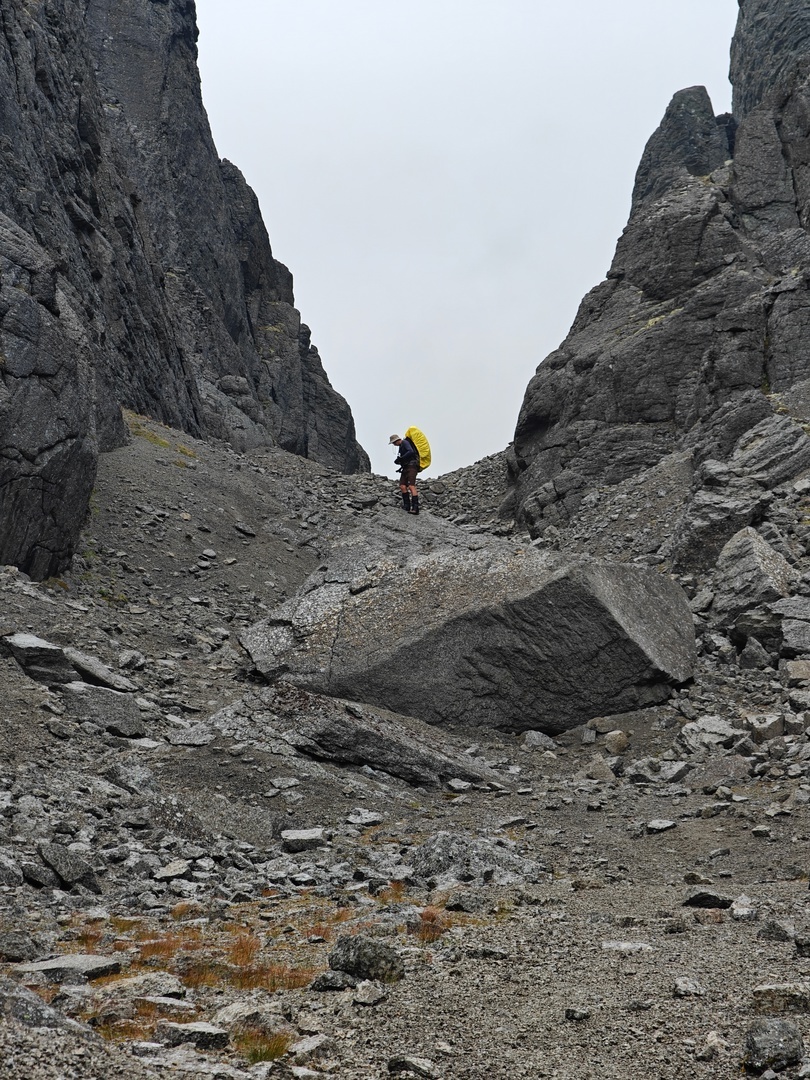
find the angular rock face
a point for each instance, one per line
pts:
(134, 269)
(705, 309)
(500, 637)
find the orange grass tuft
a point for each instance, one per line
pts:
(256, 1045)
(168, 945)
(88, 938)
(244, 950)
(392, 894)
(203, 974)
(433, 922)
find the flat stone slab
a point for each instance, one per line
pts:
(776, 999)
(203, 1036)
(629, 948)
(73, 967)
(92, 670)
(295, 840)
(40, 659)
(178, 868)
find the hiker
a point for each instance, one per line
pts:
(408, 460)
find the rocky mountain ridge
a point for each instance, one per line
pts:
(703, 314)
(135, 270)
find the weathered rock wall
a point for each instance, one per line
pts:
(706, 306)
(135, 269)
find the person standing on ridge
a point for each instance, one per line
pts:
(408, 460)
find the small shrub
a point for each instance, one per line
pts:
(244, 950)
(433, 922)
(168, 945)
(256, 1045)
(203, 974)
(186, 909)
(123, 925)
(393, 893)
(270, 977)
(54, 583)
(88, 938)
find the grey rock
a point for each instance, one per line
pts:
(708, 733)
(201, 1035)
(94, 671)
(415, 1066)
(616, 742)
(71, 868)
(333, 980)
(17, 947)
(776, 930)
(154, 984)
(685, 988)
(538, 740)
(366, 958)
(40, 876)
(23, 1007)
(295, 840)
(776, 1044)
(112, 710)
(259, 1013)
(576, 1015)
(777, 999)
(10, 872)
(366, 818)
(198, 735)
(749, 573)
(795, 638)
(73, 967)
(619, 634)
(449, 858)
(660, 825)
(177, 868)
(753, 656)
(40, 659)
(707, 898)
(369, 993)
(349, 733)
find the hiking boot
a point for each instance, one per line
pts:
(414, 507)
(406, 501)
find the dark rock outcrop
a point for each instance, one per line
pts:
(702, 318)
(135, 270)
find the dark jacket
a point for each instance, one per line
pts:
(407, 455)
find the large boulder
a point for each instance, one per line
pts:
(749, 574)
(500, 636)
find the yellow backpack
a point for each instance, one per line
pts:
(419, 440)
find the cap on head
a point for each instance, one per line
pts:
(394, 439)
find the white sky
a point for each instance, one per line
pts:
(446, 179)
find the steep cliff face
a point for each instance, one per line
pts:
(706, 307)
(135, 269)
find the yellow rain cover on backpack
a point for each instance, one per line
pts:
(419, 440)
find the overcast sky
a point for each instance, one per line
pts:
(446, 179)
